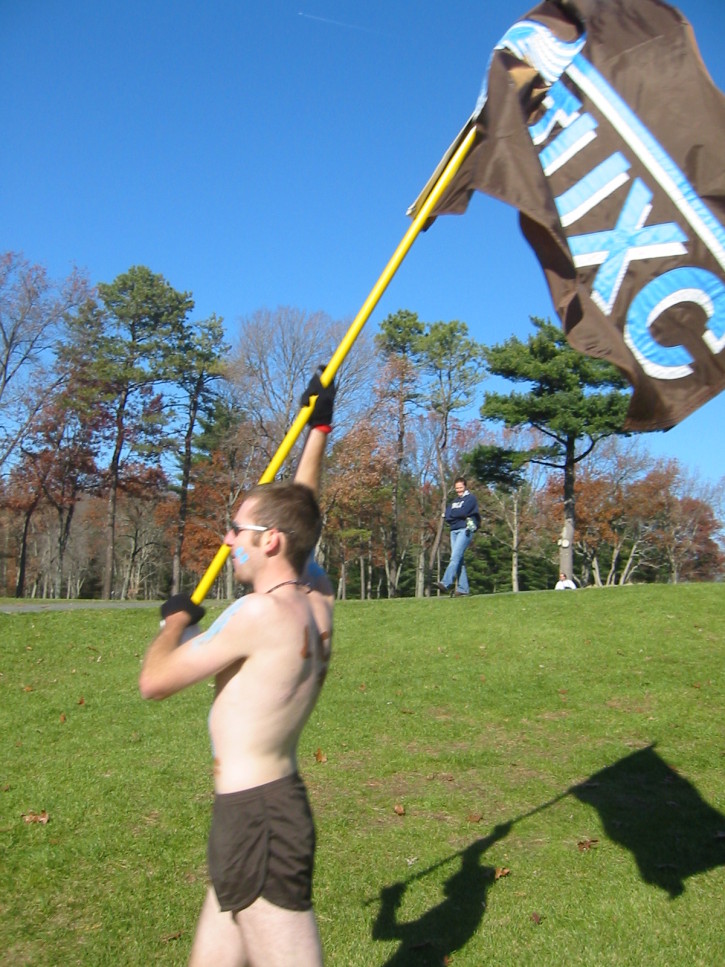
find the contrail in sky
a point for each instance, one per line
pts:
(336, 23)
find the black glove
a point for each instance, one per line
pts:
(182, 602)
(322, 413)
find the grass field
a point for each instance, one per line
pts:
(531, 779)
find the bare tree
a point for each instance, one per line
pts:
(33, 308)
(276, 352)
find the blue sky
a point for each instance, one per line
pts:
(261, 153)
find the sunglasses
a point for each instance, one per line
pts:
(238, 528)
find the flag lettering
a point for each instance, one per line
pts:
(631, 238)
(697, 286)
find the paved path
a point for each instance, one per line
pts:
(28, 607)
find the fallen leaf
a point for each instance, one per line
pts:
(28, 688)
(399, 810)
(172, 936)
(537, 918)
(320, 756)
(501, 871)
(586, 844)
(474, 817)
(62, 717)
(81, 701)
(41, 818)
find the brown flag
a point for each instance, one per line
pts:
(599, 122)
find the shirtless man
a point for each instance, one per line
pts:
(269, 652)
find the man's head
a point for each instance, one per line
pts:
(289, 508)
(459, 485)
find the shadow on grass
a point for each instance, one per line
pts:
(451, 923)
(644, 805)
(651, 810)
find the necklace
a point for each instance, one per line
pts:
(282, 584)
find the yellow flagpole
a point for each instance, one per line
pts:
(349, 338)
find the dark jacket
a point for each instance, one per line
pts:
(459, 509)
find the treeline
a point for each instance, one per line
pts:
(129, 431)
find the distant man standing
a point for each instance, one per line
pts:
(269, 652)
(463, 518)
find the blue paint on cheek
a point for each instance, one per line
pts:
(240, 556)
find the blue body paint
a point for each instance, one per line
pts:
(217, 626)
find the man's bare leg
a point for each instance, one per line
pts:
(275, 937)
(218, 941)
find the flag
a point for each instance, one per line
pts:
(599, 121)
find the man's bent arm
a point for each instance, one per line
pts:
(158, 654)
(176, 659)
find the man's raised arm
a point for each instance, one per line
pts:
(309, 468)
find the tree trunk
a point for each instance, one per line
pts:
(629, 566)
(566, 541)
(394, 571)
(420, 571)
(64, 523)
(113, 473)
(596, 572)
(515, 546)
(184, 490)
(20, 583)
(342, 581)
(439, 530)
(612, 575)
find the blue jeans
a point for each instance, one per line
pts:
(460, 539)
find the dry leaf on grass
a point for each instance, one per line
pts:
(399, 810)
(41, 818)
(320, 756)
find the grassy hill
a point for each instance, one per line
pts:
(531, 779)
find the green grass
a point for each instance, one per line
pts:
(574, 740)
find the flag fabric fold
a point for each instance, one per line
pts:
(599, 122)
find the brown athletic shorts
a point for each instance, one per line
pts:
(262, 843)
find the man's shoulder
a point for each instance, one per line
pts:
(249, 607)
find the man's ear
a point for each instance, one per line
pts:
(272, 542)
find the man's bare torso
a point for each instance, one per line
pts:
(263, 701)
